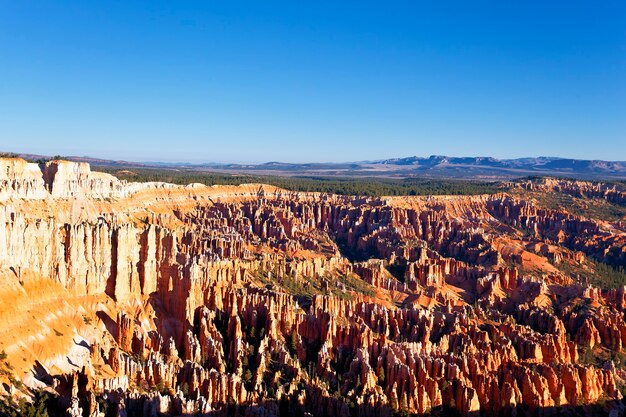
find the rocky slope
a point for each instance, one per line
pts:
(152, 299)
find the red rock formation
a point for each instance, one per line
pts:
(196, 299)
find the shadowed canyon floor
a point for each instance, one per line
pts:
(150, 299)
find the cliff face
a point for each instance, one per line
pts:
(611, 192)
(155, 298)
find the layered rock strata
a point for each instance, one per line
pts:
(253, 300)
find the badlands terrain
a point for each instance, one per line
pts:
(152, 299)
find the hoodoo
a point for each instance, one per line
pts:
(152, 299)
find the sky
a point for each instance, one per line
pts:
(237, 81)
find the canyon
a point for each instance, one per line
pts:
(151, 299)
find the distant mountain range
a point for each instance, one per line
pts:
(540, 165)
(435, 166)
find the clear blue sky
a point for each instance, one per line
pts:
(313, 81)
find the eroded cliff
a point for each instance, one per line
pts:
(151, 298)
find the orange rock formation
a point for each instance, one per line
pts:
(254, 300)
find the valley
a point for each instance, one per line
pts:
(123, 298)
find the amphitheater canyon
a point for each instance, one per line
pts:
(153, 299)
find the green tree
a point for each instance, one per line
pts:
(381, 376)
(294, 341)
(38, 408)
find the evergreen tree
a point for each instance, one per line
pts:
(381, 376)
(247, 376)
(294, 341)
